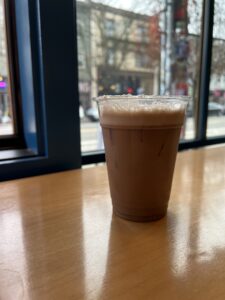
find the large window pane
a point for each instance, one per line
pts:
(216, 106)
(6, 117)
(137, 47)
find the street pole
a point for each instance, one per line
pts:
(169, 46)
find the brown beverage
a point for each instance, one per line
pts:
(141, 137)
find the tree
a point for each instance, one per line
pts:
(110, 50)
(218, 58)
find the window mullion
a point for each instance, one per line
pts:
(205, 67)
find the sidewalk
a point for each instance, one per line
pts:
(90, 131)
(6, 128)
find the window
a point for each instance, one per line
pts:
(9, 126)
(48, 89)
(180, 39)
(81, 60)
(82, 43)
(110, 27)
(142, 60)
(157, 51)
(142, 33)
(216, 105)
(110, 56)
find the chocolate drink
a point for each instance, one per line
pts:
(141, 141)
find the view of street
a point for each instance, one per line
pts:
(91, 133)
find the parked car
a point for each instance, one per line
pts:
(92, 114)
(214, 109)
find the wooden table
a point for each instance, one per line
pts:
(59, 240)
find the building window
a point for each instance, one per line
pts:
(142, 33)
(82, 44)
(142, 60)
(110, 56)
(81, 60)
(110, 27)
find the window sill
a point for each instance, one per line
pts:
(15, 154)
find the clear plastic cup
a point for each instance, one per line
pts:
(141, 136)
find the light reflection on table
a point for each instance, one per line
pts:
(12, 282)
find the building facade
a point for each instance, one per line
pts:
(121, 57)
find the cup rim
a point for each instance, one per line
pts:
(104, 98)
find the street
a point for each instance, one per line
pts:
(91, 133)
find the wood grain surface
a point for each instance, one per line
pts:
(59, 239)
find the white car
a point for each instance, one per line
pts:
(92, 114)
(215, 109)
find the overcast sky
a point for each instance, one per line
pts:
(140, 6)
(150, 7)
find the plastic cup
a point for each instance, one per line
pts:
(141, 136)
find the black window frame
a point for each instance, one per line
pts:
(49, 101)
